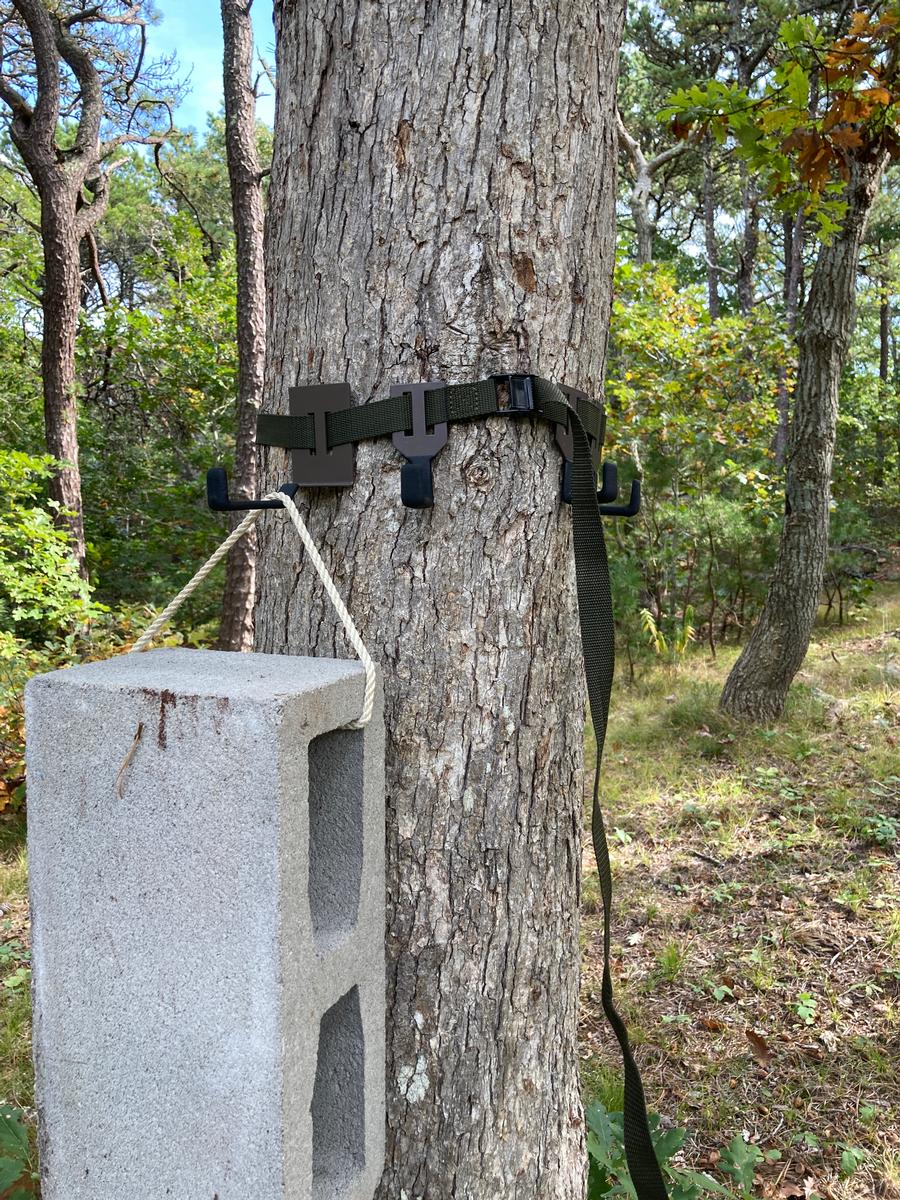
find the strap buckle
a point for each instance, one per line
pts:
(321, 467)
(515, 394)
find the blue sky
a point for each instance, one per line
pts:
(193, 29)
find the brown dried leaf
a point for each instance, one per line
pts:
(790, 1190)
(759, 1046)
(878, 95)
(847, 139)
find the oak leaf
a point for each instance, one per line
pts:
(847, 139)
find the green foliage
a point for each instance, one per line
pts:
(41, 592)
(608, 1170)
(795, 134)
(694, 402)
(883, 829)
(806, 1007)
(683, 638)
(19, 1177)
(741, 1160)
(159, 401)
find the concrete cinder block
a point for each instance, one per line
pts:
(207, 882)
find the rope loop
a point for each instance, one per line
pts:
(353, 635)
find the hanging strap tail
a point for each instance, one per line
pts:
(595, 613)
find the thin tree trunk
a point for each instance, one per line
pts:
(884, 376)
(639, 202)
(73, 184)
(758, 683)
(793, 286)
(709, 234)
(60, 304)
(236, 627)
(442, 207)
(750, 245)
(643, 171)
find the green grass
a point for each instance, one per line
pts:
(16, 1078)
(759, 891)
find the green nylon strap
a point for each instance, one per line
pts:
(595, 614)
(456, 402)
(463, 402)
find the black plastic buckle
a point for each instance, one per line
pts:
(321, 467)
(515, 394)
(418, 446)
(566, 443)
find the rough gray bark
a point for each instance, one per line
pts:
(244, 173)
(793, 286)
(643, 171)
(749, 251)
(758, 683)
(442, 207)
(60, 305)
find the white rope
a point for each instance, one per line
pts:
(321, 570)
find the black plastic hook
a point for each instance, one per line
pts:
(418, 447)
(219, 501)
(609, 488)
(631, 509)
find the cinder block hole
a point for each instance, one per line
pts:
(335, 833)
(338, 1105)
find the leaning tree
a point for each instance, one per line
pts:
(77, 87)
(817, 134)
(442, 208)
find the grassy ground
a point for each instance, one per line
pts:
(757, 940)
(757, 937)
(16, 1079)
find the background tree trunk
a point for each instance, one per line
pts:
(643, 171)
(60, 305)
(236, 627)
(442, 207)
(709, 234)
(758, 683)
(884, 376)
(793, 287)
(749, 250)
(75, 70)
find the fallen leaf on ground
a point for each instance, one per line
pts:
(761, 1051)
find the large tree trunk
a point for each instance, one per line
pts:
(60, 303)
(236, 627)
(758, 683)
(442, 207)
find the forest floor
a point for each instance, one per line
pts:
(757, 926)
(757, 932)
